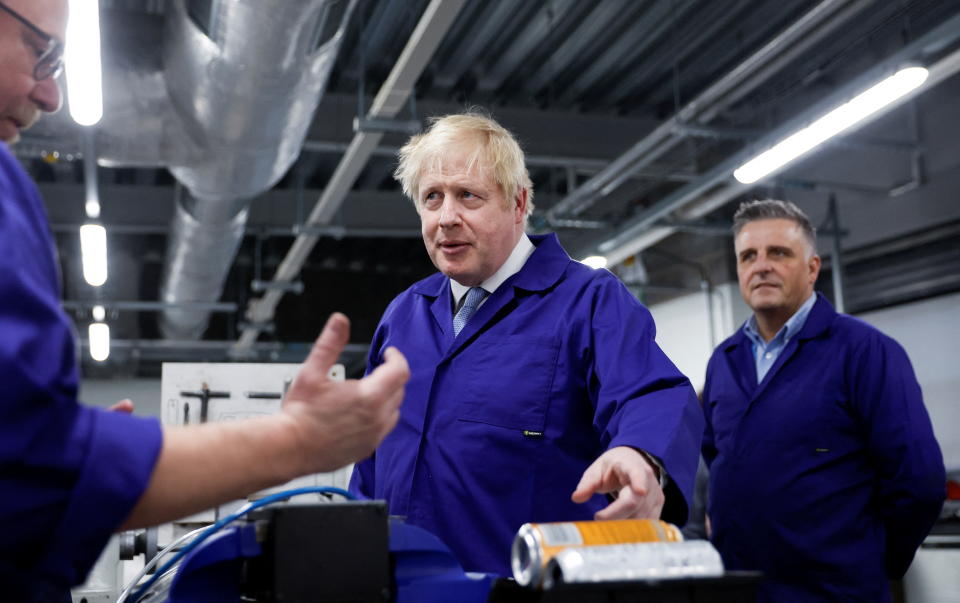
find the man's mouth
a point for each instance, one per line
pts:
(24, 119)
(452, 245)
(11, 132)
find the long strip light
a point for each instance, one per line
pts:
(99, 338)
(82, 62)
(835, 122)
(93, 253)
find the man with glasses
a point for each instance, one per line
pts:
(30, 62)
(71, 475)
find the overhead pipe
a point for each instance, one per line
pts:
(836, 255)
(717, 187)
(812, 27)
(225, 105)
(246, 90)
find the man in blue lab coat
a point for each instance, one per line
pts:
(533, 377)
(824, 471)
(71, 475)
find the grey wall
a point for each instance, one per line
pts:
(929, 331)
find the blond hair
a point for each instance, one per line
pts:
(494, 146)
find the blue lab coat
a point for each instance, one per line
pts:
(826, 475)
(498, 424)
(69, 474)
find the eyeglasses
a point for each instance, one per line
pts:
(50, 59)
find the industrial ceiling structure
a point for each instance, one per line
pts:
(244, 160)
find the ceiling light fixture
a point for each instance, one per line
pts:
(833, 123)
(93, 253)
(98, 336)
(92, 207)
(82, 62)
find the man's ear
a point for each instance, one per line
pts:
(814, 265)
(521, 205)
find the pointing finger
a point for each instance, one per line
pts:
(589, 483)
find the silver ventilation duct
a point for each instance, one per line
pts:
(244, 78)
(221, 93)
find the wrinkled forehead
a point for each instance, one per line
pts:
(50, 16)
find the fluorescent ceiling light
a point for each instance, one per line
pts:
(99, 337)
(93, 251)
(595, 261)
(99, 313)
(835, 122)
(92, 207)
(82, 62)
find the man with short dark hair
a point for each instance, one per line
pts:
(71, 475)
(824, 471)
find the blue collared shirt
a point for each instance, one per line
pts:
(765, 353)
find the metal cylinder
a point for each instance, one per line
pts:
(635, 561)
(537, 543)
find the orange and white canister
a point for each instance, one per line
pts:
(537, 543)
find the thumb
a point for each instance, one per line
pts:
(330, 343)
(389, 376)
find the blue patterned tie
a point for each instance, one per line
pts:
(473, 298)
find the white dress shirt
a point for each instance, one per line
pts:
(515, 261)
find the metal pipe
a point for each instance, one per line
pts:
(332, 232)
(749, 74)
(836, 258)
(707, 289)
(147, 306)
(642, 231)
(184, 346)
(247, 91)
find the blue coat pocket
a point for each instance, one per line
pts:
(508, 381)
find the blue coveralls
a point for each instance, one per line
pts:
(498, 425)
(826, 475)
(69, 474)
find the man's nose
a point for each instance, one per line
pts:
(762, 264)
(46, 95)
(449, 213)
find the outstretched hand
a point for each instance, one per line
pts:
(625, 474)
(339, 422)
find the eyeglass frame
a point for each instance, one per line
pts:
(50, 61)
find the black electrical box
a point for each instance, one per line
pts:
(321, 553)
